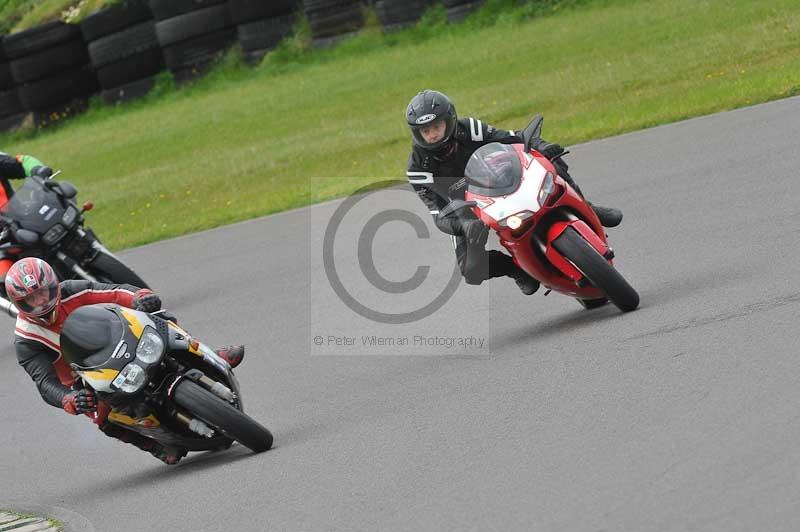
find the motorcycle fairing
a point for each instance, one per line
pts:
(149, 421)
(523, 198)
(530, 244)
(35, 207)
(109, 334)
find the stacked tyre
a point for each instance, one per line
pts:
(123, 49)
(11, 112)
(193, 34)
(331, 20)
(396, 14)
(51, 68)
(261, 25)
(458, 10)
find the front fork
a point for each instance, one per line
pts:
(74, 265)
(583, 229)
(179, 339)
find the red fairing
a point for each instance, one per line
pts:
(531, 244)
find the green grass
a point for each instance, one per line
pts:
(306, 127)
(18, 15)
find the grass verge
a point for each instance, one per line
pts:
(310, 126)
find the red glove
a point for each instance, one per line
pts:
(79, 402)
(145, 300)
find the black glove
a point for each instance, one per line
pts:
(145, 300)
(79, 402)
(551, 151)
(42, 171)
(548, 149)
(475, 231)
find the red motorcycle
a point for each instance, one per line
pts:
(550, 230)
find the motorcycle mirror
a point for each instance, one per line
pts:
(533, 131)
(88, 206)
(68, 190)
(26, 237)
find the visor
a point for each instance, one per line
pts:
(39, 302)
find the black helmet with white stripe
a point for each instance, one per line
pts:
(432, 119)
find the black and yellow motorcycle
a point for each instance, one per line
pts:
(157, 380)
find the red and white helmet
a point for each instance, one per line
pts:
(33, 287)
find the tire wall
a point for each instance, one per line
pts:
(260, 25)
(11, 112)
(123, 49)
(52, 69)
(458, 10)
(396, 14)
(193, 34)
(330, 19)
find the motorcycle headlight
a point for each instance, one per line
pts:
(131, 379)
(548, 186)
(516, 221)
(54, 234)
(150, 347)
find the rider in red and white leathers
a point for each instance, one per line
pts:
(44, 305)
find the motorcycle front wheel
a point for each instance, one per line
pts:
(597, 269)
(108, 269)
(222, 416)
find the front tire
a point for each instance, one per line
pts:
(110, 270)
(222, 416)
(597, 269)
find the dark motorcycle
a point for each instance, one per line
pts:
(43, 220)
(152, 377)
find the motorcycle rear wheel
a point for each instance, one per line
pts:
(597, 269)
(108, 269)
(222, 416)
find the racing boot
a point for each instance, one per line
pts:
(608, 216)
(232, 354)
(527, 284)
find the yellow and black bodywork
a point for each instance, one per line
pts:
(131, 359)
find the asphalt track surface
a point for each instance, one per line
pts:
(682, 415)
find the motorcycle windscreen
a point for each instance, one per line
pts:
(91, 335)
(494, 170)
(33, 207)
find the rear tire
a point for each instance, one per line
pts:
(597, 269)
(110, 270)
(222, 416)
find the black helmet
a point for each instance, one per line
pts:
(426, 108)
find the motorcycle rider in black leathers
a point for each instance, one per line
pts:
(18, 167)
(442, 147)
